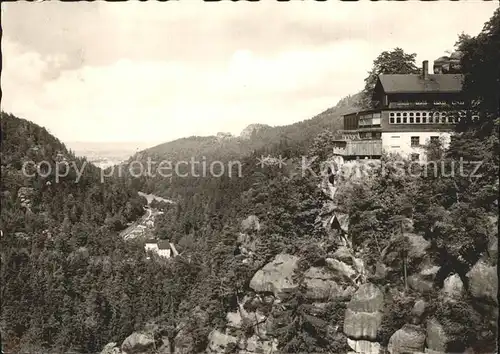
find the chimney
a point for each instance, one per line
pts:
(425, 69)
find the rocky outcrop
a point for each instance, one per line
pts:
(483, 282)
(320, 284)
(276, 276)
(363, 318)
(453, 287)
(138, 343)
(409, 339)
(111, 348)
(341, 269)
(218, 342)
(252, 129)
(424, 280)
(364, 346)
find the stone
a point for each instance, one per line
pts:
(493, 250)
(363, 315)
(137, 343)
(320, 285)
(418, 311)
(111, 348)
(276, 276)
(362, 325)
(424, 280)
(349, 291)
(343, 254)
(418, 245)
(368, 298)
(408, 339)
(453, 287)
(483, 282)
(251, 223)
(218, 341)
(364, 346)
(340, 268)
(437, 339)
(165, 347)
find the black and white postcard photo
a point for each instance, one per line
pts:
(249, 177)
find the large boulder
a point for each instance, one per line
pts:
(251, 223)
(423, 281)
(138, 342)
(418, 311)
(364, 346)
(363, 315)
(276, 276)
(483, 282)
(437, 339)
(409, 339)
(218, 341)
(418, 245)
(453, 287)
(111, 348)
(341, 269)
(320, 284)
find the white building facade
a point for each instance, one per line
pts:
(410, 112)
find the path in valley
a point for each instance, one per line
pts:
(138, 228)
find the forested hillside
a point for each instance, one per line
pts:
(68, 281)
(417, 270)
(260, 268)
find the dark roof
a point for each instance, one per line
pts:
(413, 83)
(163, 244)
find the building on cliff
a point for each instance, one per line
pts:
(409, 111)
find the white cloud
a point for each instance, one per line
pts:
(160, 74)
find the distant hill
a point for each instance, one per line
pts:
(253, 137)
(76, 194)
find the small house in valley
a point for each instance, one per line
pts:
(160, 247)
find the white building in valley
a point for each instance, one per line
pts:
(161, 247)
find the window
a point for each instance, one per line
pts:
(424, 117)
(391, 118)
(443, 117)
(434, 139)
(395, 137)
(415, 157)
(417, 119)
(398, 118)
(415, 141)
(405, 117)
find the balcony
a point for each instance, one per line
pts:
(371, 147)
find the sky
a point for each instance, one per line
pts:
(154, 72)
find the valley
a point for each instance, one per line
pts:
(394, 260)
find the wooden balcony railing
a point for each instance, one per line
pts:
(359, 148)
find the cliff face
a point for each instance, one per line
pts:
(337, 299)
(252, 129)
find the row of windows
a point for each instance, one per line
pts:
(423, 118)
(415, 140)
